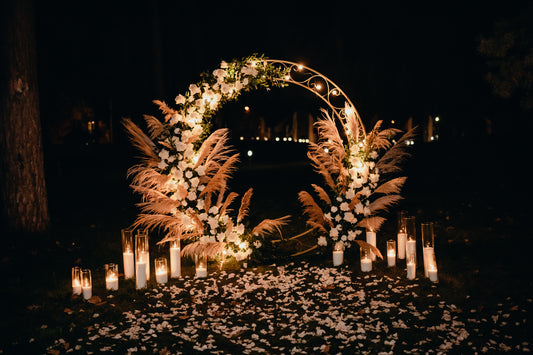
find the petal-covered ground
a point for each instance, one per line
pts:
(296, 308)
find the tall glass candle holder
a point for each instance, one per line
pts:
(366, 259)
(142, 260)
(201, 265)
(142, 249)
(338, 254)
(111, 277)
(76, 280)
(391, 252)
(432, 268)
(175, 258)
(371, 239)
(161, 270)
(86, 283)
(127, 254)
(410, 227)
(411, 266)
(428, 244)
(402, 234)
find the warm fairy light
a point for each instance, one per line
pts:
(289, 139)
(300, 67)
(318, 87)
(437, 119)
(250, 153)
(348, 111)
(392, 122)
(241, 138)
(247, 108)
(288, 77)
(277, 139)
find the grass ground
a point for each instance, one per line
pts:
(482, 302)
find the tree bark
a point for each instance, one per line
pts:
(24, 202)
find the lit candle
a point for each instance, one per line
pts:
(111, 277)
(432, 273)
(411, 270)
(201, 272)
(410, 247)
(338, 256)
(175, 259)
(141, 274)
(391, 257)
(428, 252)
(366, 264)
(371, 239)
(129, 268)
(87, 285)
(76, 280)
(161, 271)
(146, 256)
(402, 239)
(201, 266)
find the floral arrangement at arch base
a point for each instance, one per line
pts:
(184, 168)
(357, 175)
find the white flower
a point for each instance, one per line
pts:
(180, 99)
(232, 237)
(344, 206)
(204, 239)
(162, 164)
(194, 181)
(257, 244)
(334, 232)
(200, 204)
(350, 193)
(163, 154)
(175, 118)
(373, 154)
(240, 229)
(220, 237)
(220, 74)
(359, 208)
(201, 170)
(334, 209)
(349, 217)
(213, 210)
(366, 191)
(322, 241)
(374, 178)
(343, 238)
(213, 222)
(191, 196)
(327, 216)
(351, 235)
(188, 174)
(223, 65)
(338, 217)
(194, 89)
(202, 216)
(225, 88)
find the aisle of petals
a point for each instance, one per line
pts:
(300, 308)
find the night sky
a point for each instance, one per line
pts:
(393, 61)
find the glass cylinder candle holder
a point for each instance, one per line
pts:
(366, 259)
(86, 283)
(175, 258)
(161, 270)
(410, 227)
(371, 239)
(127, 254)
(142, 250)
(402, 234)
(201, 265)
(338, 254)
(428, 240)
(432, 268)
(391, 252)
(111, 277)
(411, 266)
(76, 280)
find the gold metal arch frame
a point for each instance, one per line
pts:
(323, 87)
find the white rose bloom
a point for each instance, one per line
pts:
(175, 119)
(232, 237)
(225, 88)
(201, 188)
(191, 196)
(163, 154)
(220, 74)
(240, 229)
(373, 154)
(201, 170)
(213, 222)
(197, 130)
(359, 208)
(350, 193)
(338, 218)
(351, 235)
(200, 204)
(349, 217)
(194, 89)
(202, 216)
(344, 206)
(194, 181)
(213, 210)
(334, 209)
(180, 146)
(188, 153)
(257, 244)
(180, 99)
(343, 238)
(223, 65)
(322, 241)
(374, 178)
(221, 237)
(188, 174)
(366, 191)
(334, 232)
(162, 165)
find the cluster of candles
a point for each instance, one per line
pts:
(403, 248)
(136, 259)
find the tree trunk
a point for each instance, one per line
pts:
(23, 195)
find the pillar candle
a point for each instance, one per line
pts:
(428, 253)
(201, 272)
(76, 287)
(391, 257)
(338, 257)
(175, 262)
(371, 239)
(87, 292)
(111, 283)
(411, 247)
(161, 276)
(366, 264)
(432, 273)
(129, 268)
(141, 274)
(402, 239)
(411, 271)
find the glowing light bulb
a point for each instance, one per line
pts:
(247, 108)
(318, 87)
(250, 153)
(300, 67)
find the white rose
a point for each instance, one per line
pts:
(188, 174)
(343, 238)
(191, 196)
(213, 222)
(202, 216)
(334, 232)
(374, 178)
(359, 208)
(162, 165)
(163, 154)
(175, 118)
(201, 170)
(350, 193)
(200, 204)
(221, 237)
(194, 181)
(344, 206)
(213, 210)
(349, 217)
(194, 89)
(240, 229)
(334, 209)
(373, 154)
(180, 99)
(351, 235)
(223, 65)
(322, 241)
(257, 244)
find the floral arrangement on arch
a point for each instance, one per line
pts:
(183, 173)
(355, 172)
